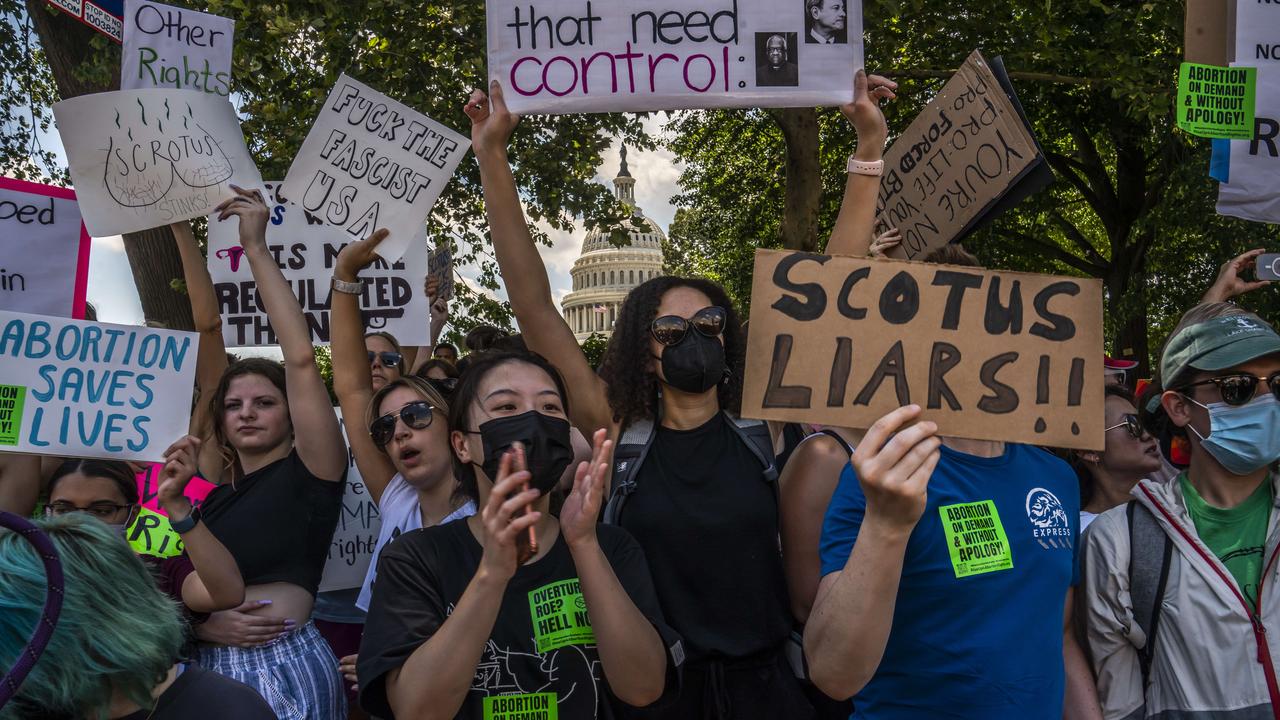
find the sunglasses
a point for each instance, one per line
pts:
(444, 385)
(1239, 389)
(101, 510)
(388, 359)
(1130, 423)
(671, 329)
(416, 415)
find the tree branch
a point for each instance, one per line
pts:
(1057, 253)
(1073, 233)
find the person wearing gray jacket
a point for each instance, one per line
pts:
(1177, 593)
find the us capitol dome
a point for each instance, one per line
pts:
(604, 273)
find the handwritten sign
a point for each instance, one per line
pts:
(989, 355)
(105, 16)
(86, 389)
(370, 162)
(571, 56)
(45, 247)
(1249, 191)
(440, 267)
(171, 47)
(955, 161)
(306, 249)
(150, 533)
(145, 158)
(357, 533)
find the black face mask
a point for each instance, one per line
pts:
(695, 364)
(547, 447)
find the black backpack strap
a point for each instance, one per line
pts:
(836, 436)
(756, 436)
(1150, 555)
(632, 447)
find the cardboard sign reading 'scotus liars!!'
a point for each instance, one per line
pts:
(989, 355)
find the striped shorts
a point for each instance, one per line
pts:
(297, 674)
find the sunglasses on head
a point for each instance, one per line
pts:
(1130, 423)
(388, 359)
(1239, 388)
(416, 415)
(671, 329)
(444, 385)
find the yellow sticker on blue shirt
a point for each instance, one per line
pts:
(975, 538)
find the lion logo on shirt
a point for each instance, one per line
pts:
(1050, 525)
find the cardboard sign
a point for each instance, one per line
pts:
(440, 267)
(1253, 172)
(357, 533)
(957, 159)
(45, 247)
(145, 158)
(170, 47)
(1216, 102)
(306, 249)
(572, 56)
(370, 162)
(105, 16)
(989, 355)
(86, 389)
(150, 533)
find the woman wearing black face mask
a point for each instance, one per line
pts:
(469, 622)
(699, 486)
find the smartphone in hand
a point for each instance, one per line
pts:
(1268, 267)
(527, 542)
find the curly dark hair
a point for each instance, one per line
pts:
(633, 387)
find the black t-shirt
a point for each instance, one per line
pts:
(198, 694)
(540, 662)
(708, 524)
(277, 522)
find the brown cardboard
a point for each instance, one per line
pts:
(956, 159)
(824, 328)
(1206, 32)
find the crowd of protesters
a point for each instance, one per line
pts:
(562, 541)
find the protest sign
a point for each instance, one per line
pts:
(171, 47)
(145, 158)
(1216, 102)
(45, 248)
(1253, 171)
(86, 389)
(105, 16)
(440, 267)
(370, 162)
(964, 152)
(150, 533)
(306, 249)
(989, 355)
(573, 56)
(357, 533)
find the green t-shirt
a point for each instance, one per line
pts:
(1236, 535)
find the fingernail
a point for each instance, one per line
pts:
(290, 623)
(264, 602)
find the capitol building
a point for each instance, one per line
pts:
(604, 273)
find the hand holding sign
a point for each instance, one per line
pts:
(179, 468)
(894, 465)
(491, 122)
(359, 255)
(249, 206)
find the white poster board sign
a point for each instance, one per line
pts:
(357, 532)
(145, 158)
(171, 47)
(370, 162)
(44, 250)
(1251, 192)
(572, 56)
(86, 389)
(306, 249)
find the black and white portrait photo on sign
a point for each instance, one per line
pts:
(776, 61)
(826, 22)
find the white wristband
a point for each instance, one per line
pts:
(350, 288)
(863, 167)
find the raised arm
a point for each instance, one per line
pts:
(1229, 283)
(216, 583)
(543, 328)
(317, 436)
(439, 316)
(856, 222)
(352, 382)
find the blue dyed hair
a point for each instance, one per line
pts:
(117, 634)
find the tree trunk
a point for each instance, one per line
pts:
(803, 195)
(153, 255)
(1126, 304)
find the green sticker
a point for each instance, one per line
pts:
(559, 615)
(1217, 102)
(975, 538)
(538, 706)
(12, 398)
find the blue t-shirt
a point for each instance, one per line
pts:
(977, 630)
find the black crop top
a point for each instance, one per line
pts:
(277, 522)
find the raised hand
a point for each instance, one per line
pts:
(581, 509)
(179, 467)
(358, 255)
(865, 114)
(502, 528)
(1229, 283)
(894, 465)
(491, 122)
(886, 241)
(251, 208)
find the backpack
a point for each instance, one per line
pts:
(1150, 556)
(633, 447)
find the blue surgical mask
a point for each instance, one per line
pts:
(1243, 438)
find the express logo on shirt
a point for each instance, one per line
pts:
(1049, 522)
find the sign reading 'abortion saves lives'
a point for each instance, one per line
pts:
(87, 389)
(370, 162)
(43, 244)
(166, 46)
(568, 56)
(989, 355)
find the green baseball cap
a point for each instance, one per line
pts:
(1217, 344)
